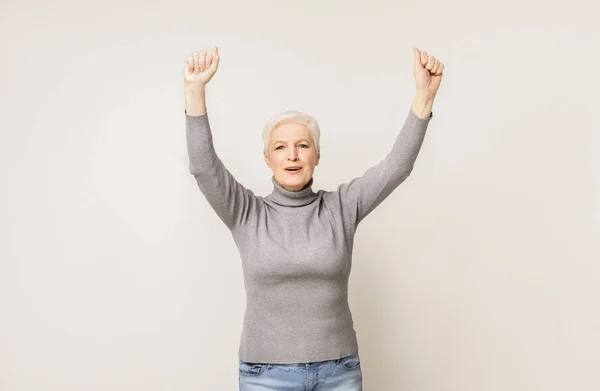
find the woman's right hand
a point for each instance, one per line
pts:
(200, 67)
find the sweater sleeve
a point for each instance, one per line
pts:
(228, 198)
(361, 195)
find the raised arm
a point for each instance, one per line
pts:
(228, 198)
(361, 195)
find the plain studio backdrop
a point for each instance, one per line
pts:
(481, 272)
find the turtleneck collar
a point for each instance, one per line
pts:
(285, 197)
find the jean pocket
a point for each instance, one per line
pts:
(350, 362)
(251, 369)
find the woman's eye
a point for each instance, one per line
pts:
(302, 145)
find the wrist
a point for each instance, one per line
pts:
(195, 91)
(424, 96)
(195, 100)
(422, 105)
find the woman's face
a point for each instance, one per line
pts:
(291, 145)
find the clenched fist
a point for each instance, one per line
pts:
(200, 67)
(428, 72)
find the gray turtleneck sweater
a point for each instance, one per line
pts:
(296, 247)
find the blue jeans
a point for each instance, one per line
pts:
(343, 374)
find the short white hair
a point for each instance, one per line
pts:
(295, 117)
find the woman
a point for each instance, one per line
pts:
(296, 244)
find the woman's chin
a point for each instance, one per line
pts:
(295, 182)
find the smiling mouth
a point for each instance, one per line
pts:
(293, 170)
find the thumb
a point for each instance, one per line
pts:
(215, 60)
(417, 54)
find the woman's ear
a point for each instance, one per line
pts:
(267, 160)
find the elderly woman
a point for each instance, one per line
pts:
(296, 243)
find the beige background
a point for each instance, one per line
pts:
(480, 273)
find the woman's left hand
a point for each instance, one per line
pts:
(428, 73)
